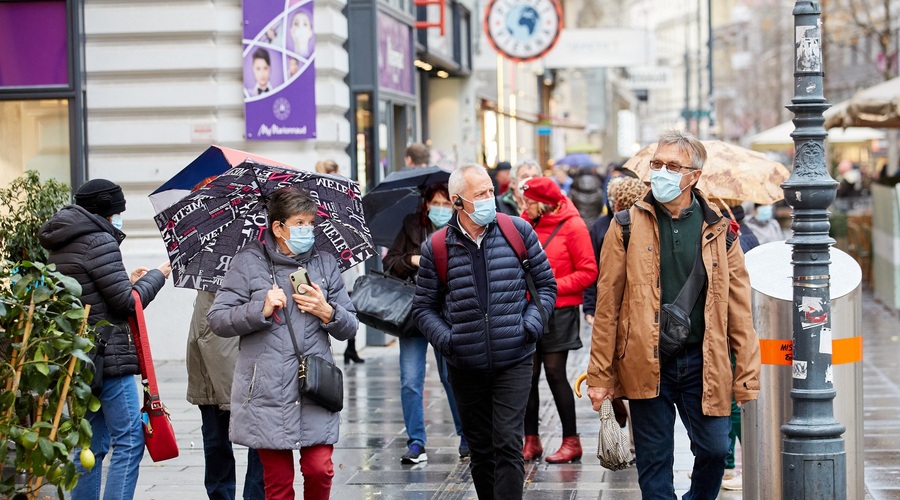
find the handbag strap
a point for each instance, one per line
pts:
(286, 318)
(690, 290)
(558, 227)
(142, 346)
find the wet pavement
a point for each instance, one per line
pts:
(367, 458)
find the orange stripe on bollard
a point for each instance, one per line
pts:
(848, 350)
(781, 352)
(776, 351)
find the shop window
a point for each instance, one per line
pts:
(35, 137)
(365, 142)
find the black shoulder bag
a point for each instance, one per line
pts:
(321, 381)
(675, 318)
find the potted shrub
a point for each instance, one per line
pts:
(44, 370)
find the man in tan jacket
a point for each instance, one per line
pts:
(668, 226)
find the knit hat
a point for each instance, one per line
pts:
(101, 197)
(504, 165)
(542, 189)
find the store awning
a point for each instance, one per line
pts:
(780, 135)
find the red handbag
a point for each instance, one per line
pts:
(159, 436)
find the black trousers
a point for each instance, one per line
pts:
(491, 406)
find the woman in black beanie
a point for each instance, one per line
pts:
(83, 240)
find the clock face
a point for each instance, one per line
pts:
(523, 30)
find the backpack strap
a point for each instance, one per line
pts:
(514, 238)
(439, 249)
(623, 217)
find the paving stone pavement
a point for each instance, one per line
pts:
(367, 458)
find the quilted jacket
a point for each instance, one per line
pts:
(85, 246)
(452, 317)
(267, 411)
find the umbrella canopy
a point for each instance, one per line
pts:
(576, 160)
(206, 228)
(612, 445)
(398, 195)
(731, 172)
(213, 161)
(877, 106)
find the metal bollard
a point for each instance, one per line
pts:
(770, 271)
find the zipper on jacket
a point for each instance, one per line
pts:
(252, 382)
(487, 334)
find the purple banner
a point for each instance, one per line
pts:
(395, 54)
(33, 44)
(279, 70)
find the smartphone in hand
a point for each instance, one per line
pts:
(300, 277)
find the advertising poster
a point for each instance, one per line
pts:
(394, 55)
(33, 44)
(279, 70)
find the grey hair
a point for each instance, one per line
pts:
(525, 164)
(686, 143)
(458, 178)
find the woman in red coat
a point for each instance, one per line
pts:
(566, 241)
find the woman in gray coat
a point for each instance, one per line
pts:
(267, 411)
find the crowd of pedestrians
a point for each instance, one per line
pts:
(506, 267)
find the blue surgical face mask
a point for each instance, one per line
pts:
(301, 240)
(439, 216)
(485, 211)
(116, 221)
(665, 185)
(764, 213)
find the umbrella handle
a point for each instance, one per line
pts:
(578, 381)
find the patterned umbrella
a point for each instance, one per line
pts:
(731, 173)
(612, 446)
(206, 228)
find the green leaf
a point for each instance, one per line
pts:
(7, 399)
(94, 404)
(71, 440)
(85, 427)
(75, 313)
(41, 294)
(78, 353)
(46, 448)
(62, 344)
(72, 285)
(39, 364)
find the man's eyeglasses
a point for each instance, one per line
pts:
(656, 165)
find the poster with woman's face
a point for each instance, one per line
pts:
(279, 69)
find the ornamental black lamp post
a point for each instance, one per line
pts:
(814, 463)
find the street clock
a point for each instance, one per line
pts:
(523, 30)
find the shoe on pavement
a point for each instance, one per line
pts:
(463, 447)
(733, 484)
(414, 455)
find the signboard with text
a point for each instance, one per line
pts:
(395, 55)
(279, 70)
(602, 48)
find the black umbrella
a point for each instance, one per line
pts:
(398, 195)
(206, 228)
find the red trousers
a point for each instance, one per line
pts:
(315, 465)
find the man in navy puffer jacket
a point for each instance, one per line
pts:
(485, 326)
